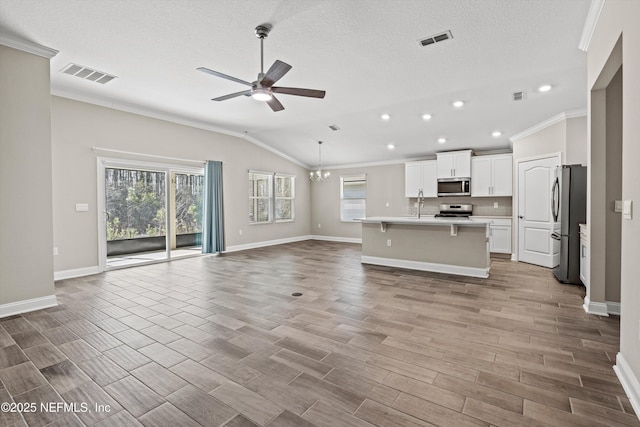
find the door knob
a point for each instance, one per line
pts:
(520, 216)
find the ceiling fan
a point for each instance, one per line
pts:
(262, 88)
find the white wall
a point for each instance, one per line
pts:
(26, 249)
(577, 141)
(385, 184)
(567, 137)
(620, 17)
(78, 126)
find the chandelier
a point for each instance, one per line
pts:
(319, 176)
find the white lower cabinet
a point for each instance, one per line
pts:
(500, 238)
(499, 234)
(584, 256)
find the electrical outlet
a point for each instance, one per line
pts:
(389, 242)
(55, 251)
(387, 204)
(495, 205)
(319, 225)
(240, 232)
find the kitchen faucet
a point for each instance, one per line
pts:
(420, 197)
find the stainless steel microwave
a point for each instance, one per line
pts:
(454, 186)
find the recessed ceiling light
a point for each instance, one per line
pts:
(458, 104)
(442, 140)
(426, 117)
(385, 117)
(496, 134)
(390, 146)
(544, 88)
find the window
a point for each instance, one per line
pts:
(284, 195)
(271, 197)
(260, 196)
(353, 193)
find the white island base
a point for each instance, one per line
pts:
(442, 245)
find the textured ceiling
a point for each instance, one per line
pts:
(364, 53)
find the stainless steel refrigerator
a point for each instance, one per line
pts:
(569, 207)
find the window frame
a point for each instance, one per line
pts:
(292, 197)
(352, 178)
(253, 200)
(272, 197)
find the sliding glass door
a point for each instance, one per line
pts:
(151, 212)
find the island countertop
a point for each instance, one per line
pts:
(426, 220)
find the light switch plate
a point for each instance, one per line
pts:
(82, 207)
(627, 208)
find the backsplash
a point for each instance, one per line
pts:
(482, 206)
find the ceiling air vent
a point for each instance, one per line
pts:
(87, 73)
(519, 96)
(435, 38)
(334, 127)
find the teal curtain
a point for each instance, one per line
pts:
(213, 221)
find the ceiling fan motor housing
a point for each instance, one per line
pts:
(262, 31)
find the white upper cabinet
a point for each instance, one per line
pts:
(492, 175)
(420, 176)
(454, 164)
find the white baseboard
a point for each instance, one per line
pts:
(426, 266)
(597, 308)
(629, 382)
(613, 307)
(254, 245)
(25, 306)
(76, 272)
(337, 239)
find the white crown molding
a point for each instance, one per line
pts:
(27, 46)
(549, 122)
(28, 305)
(629, 382)
(170, 117)
(537, 128)
(590, 24)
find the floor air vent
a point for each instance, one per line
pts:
(435, 38)
(519, 96)
(87, 73)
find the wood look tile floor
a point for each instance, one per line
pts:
(220, 341)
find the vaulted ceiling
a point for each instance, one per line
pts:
(364, 53)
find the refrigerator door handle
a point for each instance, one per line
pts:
(555, 199)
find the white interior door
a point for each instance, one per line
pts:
(535, 220)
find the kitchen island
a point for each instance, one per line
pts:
(443, 245)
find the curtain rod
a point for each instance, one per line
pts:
(111, 150)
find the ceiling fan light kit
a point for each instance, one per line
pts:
(262, 88)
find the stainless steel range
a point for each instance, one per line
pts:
(455, 211)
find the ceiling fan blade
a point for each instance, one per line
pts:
(275, 73)
(232, 95)
(311, 93)
(275, 104)
(224, 76)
